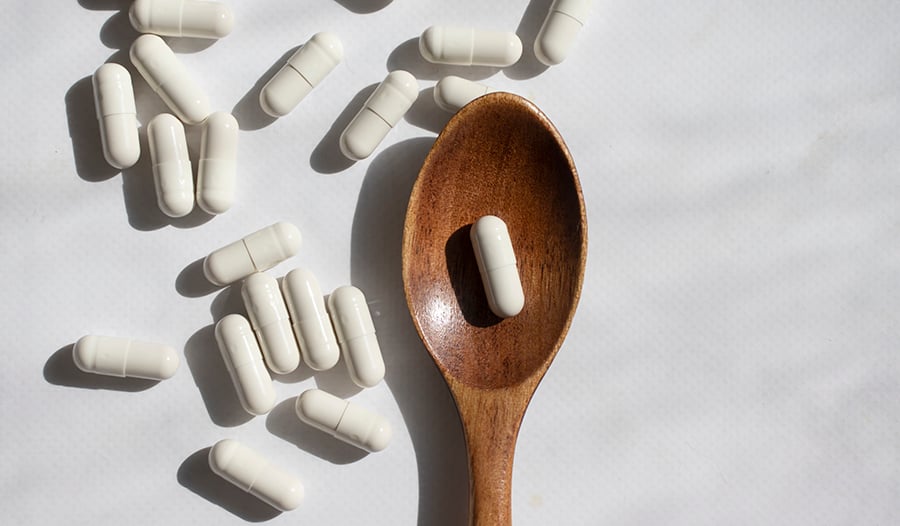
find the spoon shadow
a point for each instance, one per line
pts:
(428, 410)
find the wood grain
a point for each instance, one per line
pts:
(499, 155)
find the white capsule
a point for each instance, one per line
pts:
(217, 167)
(182, 18)
(452, 93)
(497, 266)
(557, 35)
(270, 320)
(344, 420)
(116, 113)
(312, 326)
(244, 362)
(253, 473)
(257, 252)
(466, 46)
(304, 71)
(381, 112)
(356, 335)
(169, 78)
(123, 357)
(172, 174)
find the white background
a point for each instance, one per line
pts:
(734, 358)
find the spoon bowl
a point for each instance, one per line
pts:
(499, 156)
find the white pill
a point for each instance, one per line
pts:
(253, 473)
(344, 420)
(312, 326)
(116, 113)
(381, 112)
(452, 93)
(172, 174)
(356, 335)
(218, 163)
(466, 46)
(270, 320)
(497, 266)
(123, 357)
(169, 78)
(244, 362)
(304, 71)
(257, 252)
(182, 18)
(557, 35)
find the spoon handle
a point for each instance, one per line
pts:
(491, 421)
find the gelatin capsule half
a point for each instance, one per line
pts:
(244, 362)
(117, 115)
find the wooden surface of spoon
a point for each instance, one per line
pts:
(501, 156)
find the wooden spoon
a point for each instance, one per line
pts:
(499, 155)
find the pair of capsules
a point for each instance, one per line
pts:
(464, 46)
(310, 64)
(248, 470)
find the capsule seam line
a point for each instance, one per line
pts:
(570, 16)
(125, 359)
(256, 476)
(302, 76)
(249, 255)
(341, 419)
(380, 117)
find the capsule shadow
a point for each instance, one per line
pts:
(283, 422)
(84, 132)
(337, 381)
(300, 374)
(407, 57)
(247, 111)
(60, 369)
(192, 283)
(466, 279)
(426, 114)
(528, 65)
(117, 32)
(326, 157)
(364, 6)
(201, 352)
(229, 301)
(196, 475)
(425, 402)
(187, 45)
(105, 5)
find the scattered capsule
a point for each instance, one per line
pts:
(171, 165)
(253, 473)
(452, 93)
(557, 35)
(304, 71)
(182, 18)
(217, 166)
(117, 115)
(270, 320)
(123, 357)
(169, 78)
(312, 326)
(466, 46)
(381, 112)
(356, 335)
(257, 252)
(344, 420)
(244, 362)
(497, 266)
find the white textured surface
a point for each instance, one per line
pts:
(734, 358)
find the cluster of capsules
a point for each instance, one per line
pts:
(286, 322)
(290, 320)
